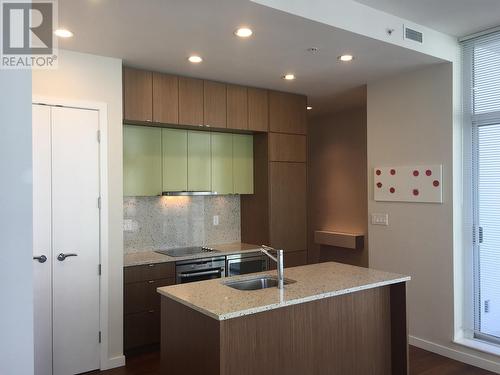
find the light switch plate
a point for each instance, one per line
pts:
(380, 219)
(216, 220)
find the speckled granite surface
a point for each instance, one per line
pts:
(313, 282)
(152, 223)
(148, 257)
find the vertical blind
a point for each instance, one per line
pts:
(481, 66)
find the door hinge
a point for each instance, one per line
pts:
(99, 136)
(100, 336)
(99, 202)
(99, 269)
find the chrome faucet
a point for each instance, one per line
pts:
(279, 259)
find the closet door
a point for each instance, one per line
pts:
(75, 233)
(42, 253)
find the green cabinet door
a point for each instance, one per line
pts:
(222, 163)
(242, 164)
(199, 161)
(141, 161)
(175, 159)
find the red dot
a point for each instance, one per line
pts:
(416, 192)
(379, 185)
(415, 173)
(392, 190)
(428, 172)
(393, 172)
(378, 172)
(435, 183)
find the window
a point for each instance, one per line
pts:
(482, 114)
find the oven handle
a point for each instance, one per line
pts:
(194, 274)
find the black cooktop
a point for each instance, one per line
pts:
(185, 251)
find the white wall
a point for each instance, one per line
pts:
(95, 78)
(412, 119)
(16, 266)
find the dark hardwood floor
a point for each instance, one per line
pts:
(421, 363)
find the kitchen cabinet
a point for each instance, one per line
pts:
(137, 95)
(190, 101)
(214, 104)
(287, 147)
(258, 110)
(237, 107)
(165, 98)
(141, 161)
(243, 180)
(287, 113)
(199, 169)
(222, 163)
(174, 159)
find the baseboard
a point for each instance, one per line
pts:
(118, 361)
(457, 355)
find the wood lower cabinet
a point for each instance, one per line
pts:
(190, 101)
(287, 113)
(137, 95)
(142, 303)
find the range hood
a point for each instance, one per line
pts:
(187, 193)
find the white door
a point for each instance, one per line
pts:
(74, 231)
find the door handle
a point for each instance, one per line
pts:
(41, 258)
(63, 256)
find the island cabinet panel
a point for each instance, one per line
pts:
(199, 168)
(287, 205)
(258, 110)
(137, 95)
(141, 161)
(222, 163)
(165, 98)
(287, 113)
(174, 159)
(237, 107)
(243, 171)
(190, 101)
(292, 259)
(214, 107)
(287, 147)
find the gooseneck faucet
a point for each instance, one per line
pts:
(279, 259)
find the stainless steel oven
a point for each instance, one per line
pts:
(188, 271)
(240, 264)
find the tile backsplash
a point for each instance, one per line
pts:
(152, 223)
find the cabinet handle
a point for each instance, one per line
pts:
(151, 311)
(151, 281)
(151, 265)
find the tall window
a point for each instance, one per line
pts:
(482, 112)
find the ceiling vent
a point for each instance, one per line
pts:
(414, 35)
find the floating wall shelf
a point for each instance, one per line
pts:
(339, 239)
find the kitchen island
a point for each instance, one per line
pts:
(330, 318)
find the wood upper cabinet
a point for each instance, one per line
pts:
(287, 113)
(137, 95)
(174, 159)
(199, 166)
(243, 174)
(214, 107)
(222, 163)
(258, 110)
(141, 161)
(287, 200)
(165, 98)
(237, 107)
(190, 101)
(287, 147)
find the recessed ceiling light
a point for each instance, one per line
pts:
(195, 59)
(243, 32)
(309, 107)
(288, 77)
(63, 33)
(346, 58)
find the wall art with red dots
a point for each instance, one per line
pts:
(422, 183)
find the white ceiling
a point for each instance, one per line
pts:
(453, 17)
(160, 34)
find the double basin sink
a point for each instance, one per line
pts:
(256, 283)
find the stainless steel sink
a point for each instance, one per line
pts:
(256, 283)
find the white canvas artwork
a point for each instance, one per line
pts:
(422, 183)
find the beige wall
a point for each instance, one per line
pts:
(337, 182)
(95, 78)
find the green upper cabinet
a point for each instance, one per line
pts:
(199, 161)
(242, 164)
(222, 163)
(175, 159)
(141, 161)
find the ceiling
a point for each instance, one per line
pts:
(160, 34)
(453, 17)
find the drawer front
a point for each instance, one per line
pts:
(142, 296)
(142, 329)
(148, 272)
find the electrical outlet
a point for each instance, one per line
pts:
(216, 219)
(380, 219)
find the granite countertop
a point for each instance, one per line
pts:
(149, 257)
(313, 282)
